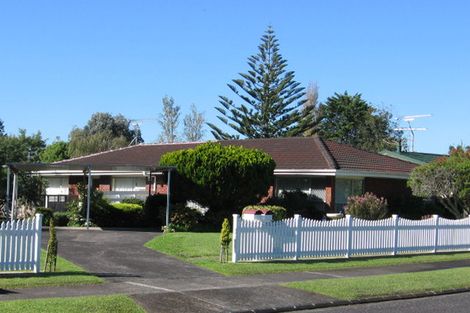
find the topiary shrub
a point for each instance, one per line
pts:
(223, 178)
(279, 212)
(224, 241)
(51, 252)
(367, 206)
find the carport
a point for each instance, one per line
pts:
(13, 169)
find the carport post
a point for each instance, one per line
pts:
(8, 204)
(14, 196)
(88, 200)
(168, 194)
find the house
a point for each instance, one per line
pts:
(327, 171)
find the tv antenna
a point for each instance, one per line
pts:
(135, 123)
(408, 119)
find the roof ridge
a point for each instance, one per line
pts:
(326, 153)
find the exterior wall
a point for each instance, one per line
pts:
(330, 194)
(394, 190)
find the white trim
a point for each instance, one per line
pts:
(93, 173)
(306, 172)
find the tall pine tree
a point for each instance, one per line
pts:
(271, 98)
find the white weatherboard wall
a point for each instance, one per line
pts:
(20, 245)
(305, 238)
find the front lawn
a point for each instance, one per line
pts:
(202, 249)
(67, 274)
(383, 285)
(95, 304)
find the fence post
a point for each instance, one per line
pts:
(436, 233)
(349, 234)
(235, 241)
(298, 233)
(37, 242)
(395, 233)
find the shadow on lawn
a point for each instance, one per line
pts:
(364, 259)
(65, 273)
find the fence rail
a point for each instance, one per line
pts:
(299, 237)
(20, 245)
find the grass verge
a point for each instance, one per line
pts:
(386, 285)
(96, 304)
(202, 249)
(67, 274)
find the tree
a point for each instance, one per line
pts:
(193, 125)
(22, 148)
(223, 178)
(447, 180)
(169, 120)
(270, 97)
(56, 151)
(351, 120)
(311, 111)
(102, 132)
(2, 128)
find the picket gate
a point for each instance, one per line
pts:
(299, 237)
(20, 245)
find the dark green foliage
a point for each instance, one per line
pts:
(298, 202)
(224, 241)
(223, 178)
(61, 218)
(154, 210)
(279, 212)
(270, 97)
(51, 254)
(47, 215)
(102, 132)
(351, 120)
(56, 151)
(183, 218)
(447, 180)
(367, 206)
(134, 201)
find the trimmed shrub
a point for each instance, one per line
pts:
(133, 201)
(47, 214)
(279, 212)
(223, 178)
(61, 218)
(367, 206)
(154, 210)
(127, 207)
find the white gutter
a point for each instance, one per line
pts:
(340, 173)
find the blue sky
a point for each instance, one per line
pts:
(60, 61)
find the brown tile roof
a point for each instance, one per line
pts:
(295, 153)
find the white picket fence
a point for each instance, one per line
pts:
(299, 237)
(20, 245)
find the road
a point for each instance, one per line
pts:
(456, 303)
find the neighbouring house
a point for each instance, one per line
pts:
(418, 158)
(327, 171)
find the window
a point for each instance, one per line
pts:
(345, 188)
(312, 186)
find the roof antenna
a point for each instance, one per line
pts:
(409, 119)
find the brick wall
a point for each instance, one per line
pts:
(394, 190)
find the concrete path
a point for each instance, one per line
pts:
(161, 283)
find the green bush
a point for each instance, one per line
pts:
(183, 218)
(127, 207)
(133, 201)
(367, 206)
(279, 212)
(223, 178)
(298, 202)
(46, 215)
(61, 218)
